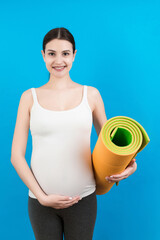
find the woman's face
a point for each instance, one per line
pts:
(58, 53)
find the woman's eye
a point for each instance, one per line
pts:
(50, 53)
(53, 53)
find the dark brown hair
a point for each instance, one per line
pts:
(58, 33)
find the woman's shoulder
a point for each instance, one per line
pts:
(93, 91)
(27, 97)
(92, 94)
(27, 94)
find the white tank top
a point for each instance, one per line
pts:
(61, 154)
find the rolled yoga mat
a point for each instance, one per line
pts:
(119, 141)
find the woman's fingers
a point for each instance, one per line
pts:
(71, 200)
(68, 203)
(116, 179)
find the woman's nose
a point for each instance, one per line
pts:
(58, 59)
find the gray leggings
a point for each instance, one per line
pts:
(76, 222)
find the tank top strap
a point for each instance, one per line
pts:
(34, 95)
(85, 93)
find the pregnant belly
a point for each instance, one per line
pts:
(69, 179)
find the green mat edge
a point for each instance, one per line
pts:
(145, 136)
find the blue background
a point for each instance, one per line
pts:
(118, 52)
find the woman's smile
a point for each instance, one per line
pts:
(59, 69)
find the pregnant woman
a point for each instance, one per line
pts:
(62, 189)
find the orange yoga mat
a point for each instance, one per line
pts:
(119, 141)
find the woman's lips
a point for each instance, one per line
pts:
(59, 69)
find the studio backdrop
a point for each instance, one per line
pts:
(118, 52)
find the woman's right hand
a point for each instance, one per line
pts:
(59, 201)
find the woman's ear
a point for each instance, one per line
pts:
(74, 55)
(43, 54)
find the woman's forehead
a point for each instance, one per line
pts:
(59, 44)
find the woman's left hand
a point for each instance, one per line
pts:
(130, 169)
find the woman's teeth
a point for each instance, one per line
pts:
(59, 68)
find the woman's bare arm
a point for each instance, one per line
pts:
(19, 143)
(99, 115)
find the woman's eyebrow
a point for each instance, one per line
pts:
(55, 51)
